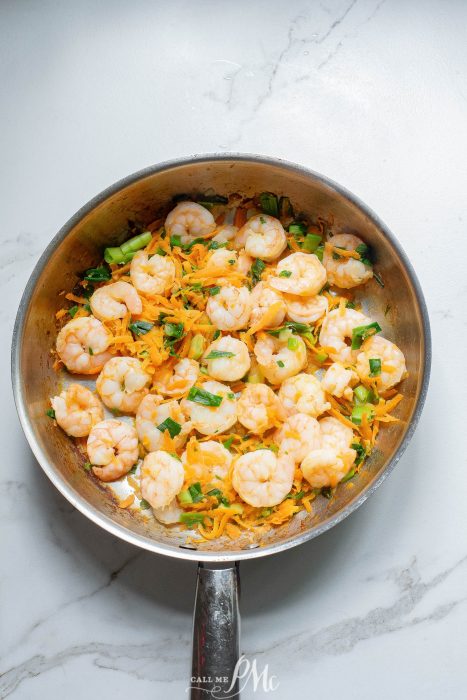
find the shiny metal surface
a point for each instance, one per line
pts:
(216, 632)
(103, 221)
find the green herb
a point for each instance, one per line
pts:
(311, 242)
(87, 466)
(378, 279)
(360, 333)
(133, 469)
(319, 252)
(365, 255)
(285, 273)
(191, 518)
(143, 504)
(203, 397)
(174, 330)
(296, 496)
(216, 334)
(257, 270)
(172, 426)
(285, 208)
(184, 497)
(375, 367)
(50, 412)
(327, 492)
(299, 328)
(196, 492)
(214, 354)
(231, 395)
(72, 311)
(160, 251)
(212, 199)
(269, 203)
(136, 243)
(215, 245)
(350, 305)
(361, 453)
(196, 347)
(321, 357)
(298, 229)
(361, 410)
(221, 499)
(361, 394)
(87, 308)
(98, 274)
(265, 513)
(175, 241)
(280, 363)
(115, 256)
(140, 327)
(228, 443)
(262, 219)
(90, 351)
(293, 343)
(203, 370)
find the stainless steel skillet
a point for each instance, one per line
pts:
(399, 307)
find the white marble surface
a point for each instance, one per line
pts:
(371, 93)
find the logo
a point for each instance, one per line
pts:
(245, 672)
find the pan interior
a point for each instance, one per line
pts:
(105, 222)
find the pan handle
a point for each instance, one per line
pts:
(216, 631)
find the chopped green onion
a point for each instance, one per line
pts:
(236, 507)
(293, 344)
(321, 357)
(90, 351)
(172, 426)
(319, 252)
(160, 251)
(72, 311)
(136, 243)
(361, 393)
(299, 328)
(361, 410)
(375, 366)
(50, 412)
(228, 443)
(196, 347)
(269, 203)
(140, 327)
(216, 334)
(265, 513)
(215, 245)
(309, 336)
(298, 228)
(196, 492)
(212, 199)
(215, 354)
(214, 290)
(191, 518)
(87, 466)
(311, 242)
(327, 492)
(184, 497)
(360, 333)
(349, 305)
(364, 252)
(203, 397)
(285, 273)
(115, 256)
(174, 330)
(231, 395)
(361, 453)
(175, 241)
(257, 270)
(285, 208)
(280, 363)
(133, 469)
(296, 496)
(378, 279)
(144, 504)
(98, 274)
(221, 499)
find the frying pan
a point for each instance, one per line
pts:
(399, 307)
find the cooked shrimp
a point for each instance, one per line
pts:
(327, 466)
(263, 479)
(228, 359)
(152, 275)
(225, 233)
(230, 309)
(335, 434)
(208, 461)
(189, 220)
(244, 262)
(113, 447)
(277, 361)
(115, 300)
(222, 258)
(209, 420)
(151, 414)
(392, 362)
(122, 384)
(336, 328)
(305, 309)
(162, 478)
(300, 274)
(345, 272)
(262, 298)
(82, 345)
(77, 409)
(298, 436)
(303, 394)
(339, 381)
(177, 381)
(263, 237)
(259, 408)
(168, 515)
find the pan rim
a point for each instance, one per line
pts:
(147, 543)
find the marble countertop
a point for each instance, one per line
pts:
(371, 93)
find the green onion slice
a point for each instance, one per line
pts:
(191, 518)
(269, 203)
(375, 366)
(172, 426)
(215, 354)
(311, 242)
(285, 273)
(98, 274)
(360, 333)
(203, 397)
(140, 327)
